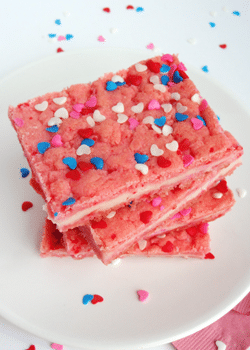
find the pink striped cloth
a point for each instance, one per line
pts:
(233, 330)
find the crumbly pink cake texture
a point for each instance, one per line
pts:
(93, 147)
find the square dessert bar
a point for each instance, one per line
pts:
(93, 147)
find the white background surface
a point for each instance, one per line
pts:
(168, 25)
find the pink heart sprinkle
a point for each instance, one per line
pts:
(197, 123)
(56, 141)
(176, 216)
(142, 295)
(133, 123)
(56, 346)
(203, 105)
(203, 228)
(101, 38)
(61, 37)
(171, 83)
(181, 66)
(162, 207)
(19, 122)
(78, 107)
(150, 46)
(91, 102)
(187, 160)
(167, 57)
(154, 104)
(156, 201)
(173, 68)
(74, 115)
(185, 212)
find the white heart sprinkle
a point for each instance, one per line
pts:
(140, 67)
(111, 214)
(167, 107)
(42, 106)
(213, 13)
(155, 151)
(148, 120)
(54, 121)
(161, 236)
(167, 130)
(220, 345)
(83, 149)
(61, 113)
(116, 262)
(60, 100)
(122, 118)
(160, 87)
(98, 117)
(175, 96)
(180, 108)
(196, 98)
(217, 195)
(142, 244)
(156, 128)
(119, 108)
(192, 41)
(117, 78)
(154, 79)
(90, 121)
(241, 192)
(113, 30)
(157, 49)
(143, 168)
(137, 108)
(172, 146)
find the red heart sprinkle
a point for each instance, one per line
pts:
(153, 66)
(184, 145)
(113, 236)
(106, 9)
(145, 216)
(32, 347)
(133, 80)
(130, 7)
(73, 175)
(85, 133)
(26, 205)
(168, 247)
(59, 50)
(85, 166)
(97, 299)
(163, 162)
(192, 231)
(209, 256)
(222, 186)
(223, 46)
(203, 228)
(183, 74)
(99, 224)
(86, 111)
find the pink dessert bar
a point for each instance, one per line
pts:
(96, 147)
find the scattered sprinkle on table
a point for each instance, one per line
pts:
(150, 46)
(205, 69)
(236, 13)
(142, 295)
(113, 30)
(192, 41)
(66, 13)
(94, 299)
(106, 9)
(69, 36)
(223, 46)
(220, 345)
(26, 205)
(241, 192)
(59, 49)
(58, 22)
(52, 35)
(213, 13)
(56, 346)
(130, 7)
(212, 24)
(101, 39)
(139, 9)
(24, 172)
(32, 347)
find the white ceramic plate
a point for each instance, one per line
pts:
(44, 296)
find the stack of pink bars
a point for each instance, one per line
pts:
(131, 164)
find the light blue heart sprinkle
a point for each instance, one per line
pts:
(164, 79)
(139, 9)
(56, 213)
(203, 121)
(53, 128)
(111, 86)
(165, 68)
(160, 121)
(43, 146)
(24, 172)
(118, 83)
(177, 78)
(71, 162)
(69, 36)
(97, 162)
(212, 24)
(88, 142)
(140, 158)
(58, 22)
(180, 117)
(218, 117)
(87, 298)
(205, 69)
(236, 13)
(69, 201)
(52, 35)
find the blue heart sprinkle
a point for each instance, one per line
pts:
(203, 121)
(140, 158)
(218, 117)
(24, 172)
(87, 298)
(160, 121)
(177, 78)
(205, 69)
(52, 35)
(69, 201)
(139, 9)
(111, 86)
(97, 162)
(69, 36)
(53, 128)
(165, 68)
(58, 22)
(43, 146)
(118, 83)
(71, 162)
(236, 13)
(164, 79)
(180, 117)
(88, 142)
(56, 213)
(212, 24)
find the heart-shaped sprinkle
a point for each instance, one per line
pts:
(154, 79)
(196, 98)
(101, 39)
(143, 168)
(117, 79)
(91, 102)
(180, 108)
(205, 69)
(148, 120)
(54, 121)
(24, 172)
(133, 123)
(42, 106)
(203, 105)
(167, 107)
(56, 141)
(156, 129)
(87, 298)
(85, 166)
(73, 175)
(130, 7)
(155, 151)
(118, 108)
(164, 79)
(142, 244)
(97, 162)
(122, 118)
(222, 186)
(56, 346)
(212, 24)
(60, 100)
(78, 107)
(187, 160)
(61, 38)
(141, 158)
(83, 149)
(167, 57)
(241, 192)
(163, 162)
(137, 108)
(97, 299)
(197, 123)
(181, 117)
(69, 201)
(160, 87)
(175, 96)
(192, 41)
(164, 68)
(85, 133)
(223, 46)
(19, 122)
(75, 115)
(111, 86)
(172, 146)
(220, 345)
(150, 46)
(69, 36)
(59, 49)
(176, 216)
(111, 215)
(203, 228)
(134, 80)
(61, 113)
(53, 128)
(99, 224)
(146, 216)
(142, 295)
(90, 121)
(70, 161)
(26, 205)
(181, 66)
(192, 231)
(160, 121)
(154, 104)
(184, 145)
(140, 67)
(167, 130)
(156, 201)
(185, 212)
(32, 347)
(153, 66)
(209, 256)
(176, 77)
(217, 195)
(98, 117)
(203, 121)
(42, 147)
(106, 9)
(168, 247)
(88, 142)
